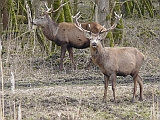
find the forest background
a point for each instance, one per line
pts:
(33, 87)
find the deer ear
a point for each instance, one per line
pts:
(103, 35)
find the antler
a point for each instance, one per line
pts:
(49, 9)
(75, 18)
(118, 17)
(78, 25)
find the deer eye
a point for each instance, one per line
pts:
(99, 39)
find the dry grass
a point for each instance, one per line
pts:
(83, 102)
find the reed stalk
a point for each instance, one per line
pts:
(1, 72)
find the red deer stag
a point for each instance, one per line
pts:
(64, 34)
(115, 61)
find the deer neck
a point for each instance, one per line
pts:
(97, 53)
(99, 56)
(51, 29)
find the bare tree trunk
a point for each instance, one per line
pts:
(5, 18)
(103, 11)
(75, 7)
(4, 11)
(1, 69)
(35, 8)
(51, 43)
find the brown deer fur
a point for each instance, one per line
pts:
(66, 35)
(116, 61)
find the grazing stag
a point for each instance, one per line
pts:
(118, 61)
(64, 34)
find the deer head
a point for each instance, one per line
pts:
(43, 20)
(96, 38)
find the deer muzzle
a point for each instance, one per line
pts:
(34, 23)
(94, 44)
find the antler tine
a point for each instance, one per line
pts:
(59, 7)
(80, 28)
(118, 17)
(78, 25)
(75, 18)
(76, 15)
(48, 9)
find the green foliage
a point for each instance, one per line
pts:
(17, 11)
(108, 17)
(22, 9)
(128, 8)
(110, 36)
(41, 40)
(141, 7)
(117, 34)
(11, 9)
(59, 15)
(21, 19)
(149, 7)
(67, 12)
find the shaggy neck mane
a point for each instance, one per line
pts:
(51, 29)
(97, 54)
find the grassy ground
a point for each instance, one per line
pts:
(83, 101)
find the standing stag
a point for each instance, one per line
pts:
(118, 61)
(64, 34)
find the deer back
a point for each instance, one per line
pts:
(92, 26)
(123, 60)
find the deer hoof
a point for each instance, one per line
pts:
(140, 99)
(132, 100)
(61, 68)
(103, 101)
(75, 67)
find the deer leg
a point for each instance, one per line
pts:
(113, 79)
(70, 51)
(135, 86)
(63, 52)
(140, 82)
(106, 79)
